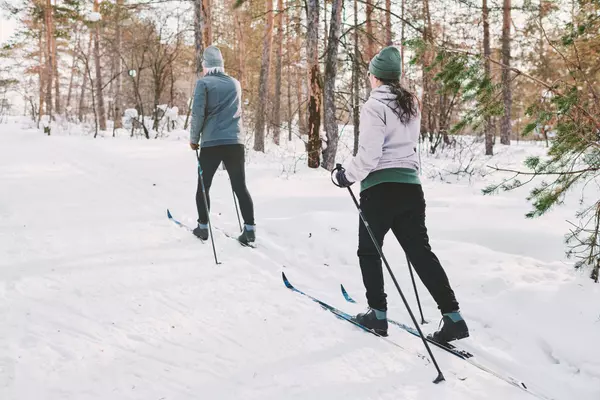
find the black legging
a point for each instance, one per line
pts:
(401, 208)
(233, 157)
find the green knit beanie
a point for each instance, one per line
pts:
(212, 57)
(386, 64)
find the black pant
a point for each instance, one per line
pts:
(401, 208)
(233, 158)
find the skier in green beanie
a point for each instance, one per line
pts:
(392, 198)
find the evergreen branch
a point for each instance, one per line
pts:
(528, 76)
(537, 173)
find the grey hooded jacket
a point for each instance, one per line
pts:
(217, 111)
(384, 141)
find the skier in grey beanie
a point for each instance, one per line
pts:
(217, 131)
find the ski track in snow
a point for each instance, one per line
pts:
(103, 297)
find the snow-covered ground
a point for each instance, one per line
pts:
(102, 297)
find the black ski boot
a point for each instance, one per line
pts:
(454, 328)
(369, 320)
(248, 236)
(201, 231)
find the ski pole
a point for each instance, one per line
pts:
(237, 211)
(206, 206)
(412, 277)
(440, 376)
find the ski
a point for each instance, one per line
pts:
(346, 317)
(181, 224)
(186, 227)
(462, 354)
(230, 236)
(447, 347)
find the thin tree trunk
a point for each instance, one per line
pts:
(101, 112)
(388, 22)
(263, 87)
(241, 50)
(41, 71)
(290, 114)
(326, 31)
(355, 81)
(198, 39)
(57, 108)
(49, 59)
(426, 104)
(506, 89)
(489, 128)
(71, 80)
(300, 77)
(370, 37)
(88, 72)
(315, 91)
(118, 124)
(85, 81)
(402, 35)
(208, 31)
(76, 46)
(370, 51)
(277, 100)
(331, 126)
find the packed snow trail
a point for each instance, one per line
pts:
(104, 297)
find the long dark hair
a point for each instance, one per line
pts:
(405, 106)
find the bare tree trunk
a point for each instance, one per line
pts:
(402, 36)
(370, 37)
(263, 87)
(71, 80)
(119, 67)
(331, 126)
(76, 46)
(300, 78)
(326, 31)
(57, 108)
(41, 76)
(426, 104)
(290, 114)
(489, 128)
(506, 89)
(198, 39)
(315, 91)
(355, 80)
(101, 112)
(277, 100)
(208, 32)
(241, 50)
(49, 59)
(388, 22)
(85, 81)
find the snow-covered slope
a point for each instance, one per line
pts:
(102, 297)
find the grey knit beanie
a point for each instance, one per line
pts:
(212, 57)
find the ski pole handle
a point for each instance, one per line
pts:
(338, 167)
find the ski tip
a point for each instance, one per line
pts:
(346, 295)
(169, 214)
(285, 281)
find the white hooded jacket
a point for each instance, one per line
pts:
(384, 141)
